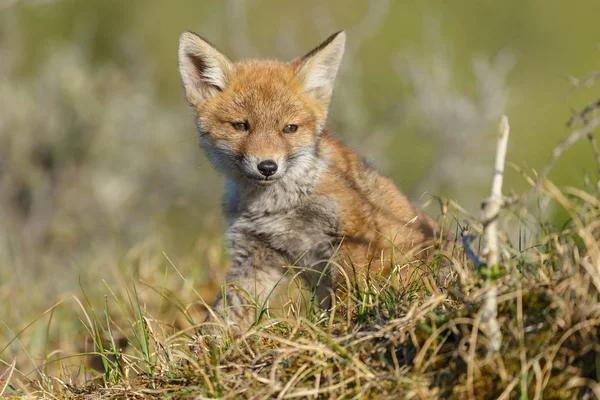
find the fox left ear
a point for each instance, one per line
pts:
(317, 69)
(204, 70)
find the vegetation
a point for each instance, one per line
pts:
(380, 340)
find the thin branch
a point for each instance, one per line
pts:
(492, 206)
(568, 142)
(582, 115)
(592, 140)
(491, 210)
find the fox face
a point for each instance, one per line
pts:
(259, 121)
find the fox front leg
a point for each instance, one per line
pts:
(255, 271)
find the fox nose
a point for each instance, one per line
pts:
(267, 168)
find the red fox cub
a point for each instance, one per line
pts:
(294, 195)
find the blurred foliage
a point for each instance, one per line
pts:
(550, 42)
(98, 149)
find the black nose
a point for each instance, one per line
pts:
(267, 168)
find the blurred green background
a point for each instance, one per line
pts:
(100, 172)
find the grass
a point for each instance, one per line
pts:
(380, 340)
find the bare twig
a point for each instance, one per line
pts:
(566, 143)
(582, 115)
(492, 206)
(491, 210)
(586, 82)
(595, 150)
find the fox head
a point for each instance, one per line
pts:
(259, 120)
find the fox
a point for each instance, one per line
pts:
(294, 194)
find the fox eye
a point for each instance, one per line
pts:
(291, 128)
(240, 126)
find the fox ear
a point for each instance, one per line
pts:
(317, 69)
(204, 70)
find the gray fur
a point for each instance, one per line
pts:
(276, 225)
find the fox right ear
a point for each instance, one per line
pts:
(317, 69)
(204, 70)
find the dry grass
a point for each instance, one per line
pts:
(379, 341)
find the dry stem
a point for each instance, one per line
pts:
(566, 143)
(491, 209)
